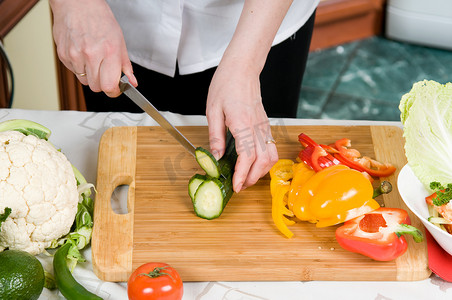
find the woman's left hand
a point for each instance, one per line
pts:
(234, 101)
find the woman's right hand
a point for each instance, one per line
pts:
(90, 43)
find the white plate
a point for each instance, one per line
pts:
(413, 194)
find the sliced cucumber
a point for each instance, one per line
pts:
(207, 162)
(438, 220)
(225, 166)
(211, 197)
(193, 184)
(211, 192)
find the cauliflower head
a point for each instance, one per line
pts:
(38, 183)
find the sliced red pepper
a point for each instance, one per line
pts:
(352, 159)
(378, 234)
(349, 163)
(442, 210)
(343, 145)
(316, 158)
(429, 199)
(306, 140)
(314, 155)
(330, 149)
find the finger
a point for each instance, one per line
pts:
(264, 161)
(109, 75)
(73, 57)
(245, 147)
(128, 70)
(81, 76)
(265, 151)
(78, 68)
(266, 154)
(217, 131)
(92, 74)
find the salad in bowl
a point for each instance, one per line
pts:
(425, 183)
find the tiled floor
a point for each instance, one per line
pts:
(365, 79)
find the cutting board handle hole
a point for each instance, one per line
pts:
(119, 198)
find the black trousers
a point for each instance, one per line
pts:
(187, 94)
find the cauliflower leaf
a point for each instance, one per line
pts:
(4, 215)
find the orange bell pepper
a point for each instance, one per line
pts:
(332, 196)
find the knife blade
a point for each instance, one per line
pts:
(131, 92)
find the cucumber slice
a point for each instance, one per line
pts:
(207, 162)
(211, 197)
(194, 183)
(438, 220)
(223, 167)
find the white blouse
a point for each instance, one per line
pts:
(195, 33)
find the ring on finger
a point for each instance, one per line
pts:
(270, 141)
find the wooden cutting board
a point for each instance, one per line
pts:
(243, 244)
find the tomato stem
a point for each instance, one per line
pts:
(157, 272)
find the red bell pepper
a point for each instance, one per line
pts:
(352, 159)
(378, 234)
(314, 155)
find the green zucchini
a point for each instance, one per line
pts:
(193, 184)
(211, 192)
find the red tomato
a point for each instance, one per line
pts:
(155, 281)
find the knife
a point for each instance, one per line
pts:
(144, 104)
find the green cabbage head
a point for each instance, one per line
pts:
(426, 114)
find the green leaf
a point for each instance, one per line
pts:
(435, 186)
(443, 194)
(426, 114)
(4, 216)
(49, 282)
(26, 127)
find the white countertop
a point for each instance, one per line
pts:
(78, 135)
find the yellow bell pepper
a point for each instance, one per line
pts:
(302, 172)
(280, 175)
(332, 196)
(279, 211)
(283, 169)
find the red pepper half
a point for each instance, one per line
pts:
(378, 234)
(314, 155)
(351, 158)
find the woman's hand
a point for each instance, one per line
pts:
(234, 101)
(90, 43)
(234, 98)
